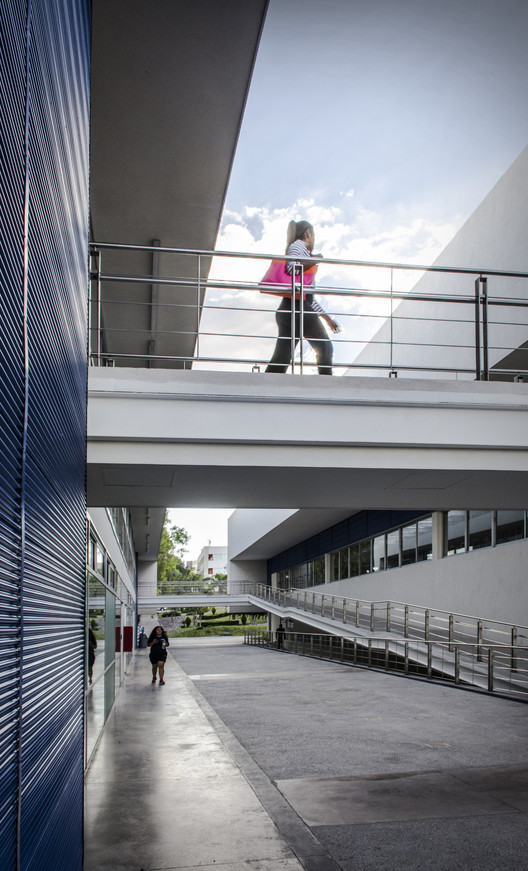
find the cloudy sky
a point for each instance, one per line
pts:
(383, 122)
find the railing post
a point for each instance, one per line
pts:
(94, 306)
(305, 600)
(406, 622)
(478, 365)
(388, 616)
(481, 322)
(313, 603)
(333, 607)
(485, 348)
(451, 631)
(490, 669)
(479, 641)
(322, 606)
(513, 664)
(372, 616)
(357, 612)
(301, 319)
(457, 664)
(429, 660)
(426, 624)
(198, 306)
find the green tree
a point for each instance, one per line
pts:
(171, 568)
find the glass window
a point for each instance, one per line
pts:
(91, 553)
(480, 524)
(425, 539)
(355, 561)
(364, 557)
(99, 560)
(408, 553)
(334, 566)
(393, 549)
(456, 532)
(378, 554)
(344, 570)
(319, 570)
(510, 526)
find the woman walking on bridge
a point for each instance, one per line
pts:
(300, 242)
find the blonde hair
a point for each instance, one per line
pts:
(296, 230)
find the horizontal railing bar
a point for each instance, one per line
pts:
(383, 603)
(322, 290)
(336, 341)
(457, 370)
(406, 267)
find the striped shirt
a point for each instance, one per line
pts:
(298, 249)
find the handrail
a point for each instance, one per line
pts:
(466, 270)
(479, 337)
(458, 664)
(412, 621)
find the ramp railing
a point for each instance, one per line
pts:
(459, 663)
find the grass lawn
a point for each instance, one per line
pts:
(206, 631)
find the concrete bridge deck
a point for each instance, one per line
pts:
(193, 438)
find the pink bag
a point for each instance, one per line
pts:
(278, 282)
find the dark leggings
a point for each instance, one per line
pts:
(314, 332)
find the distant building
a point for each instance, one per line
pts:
(212, 560)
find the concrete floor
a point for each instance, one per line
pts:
(264, 761)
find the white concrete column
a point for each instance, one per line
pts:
(438, 534)
(147, 578)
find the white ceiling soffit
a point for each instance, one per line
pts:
(169, 85)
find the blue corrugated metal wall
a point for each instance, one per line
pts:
(362, 525)
(44, 47)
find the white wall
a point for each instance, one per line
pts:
(246, 570)
(493, 238)
(250, 525)
(105, 530)
(491, 583)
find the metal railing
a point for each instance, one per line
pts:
(205, 587)
(431, 625)
(488, 671)
(468, 324)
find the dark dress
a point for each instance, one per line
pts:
(157, 652)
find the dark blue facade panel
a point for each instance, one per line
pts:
(364, 524)
(12, 198)
(43, 372)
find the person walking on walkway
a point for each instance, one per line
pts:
(158, 643)
(300, 242)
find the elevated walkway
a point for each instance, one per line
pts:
(193, 438)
